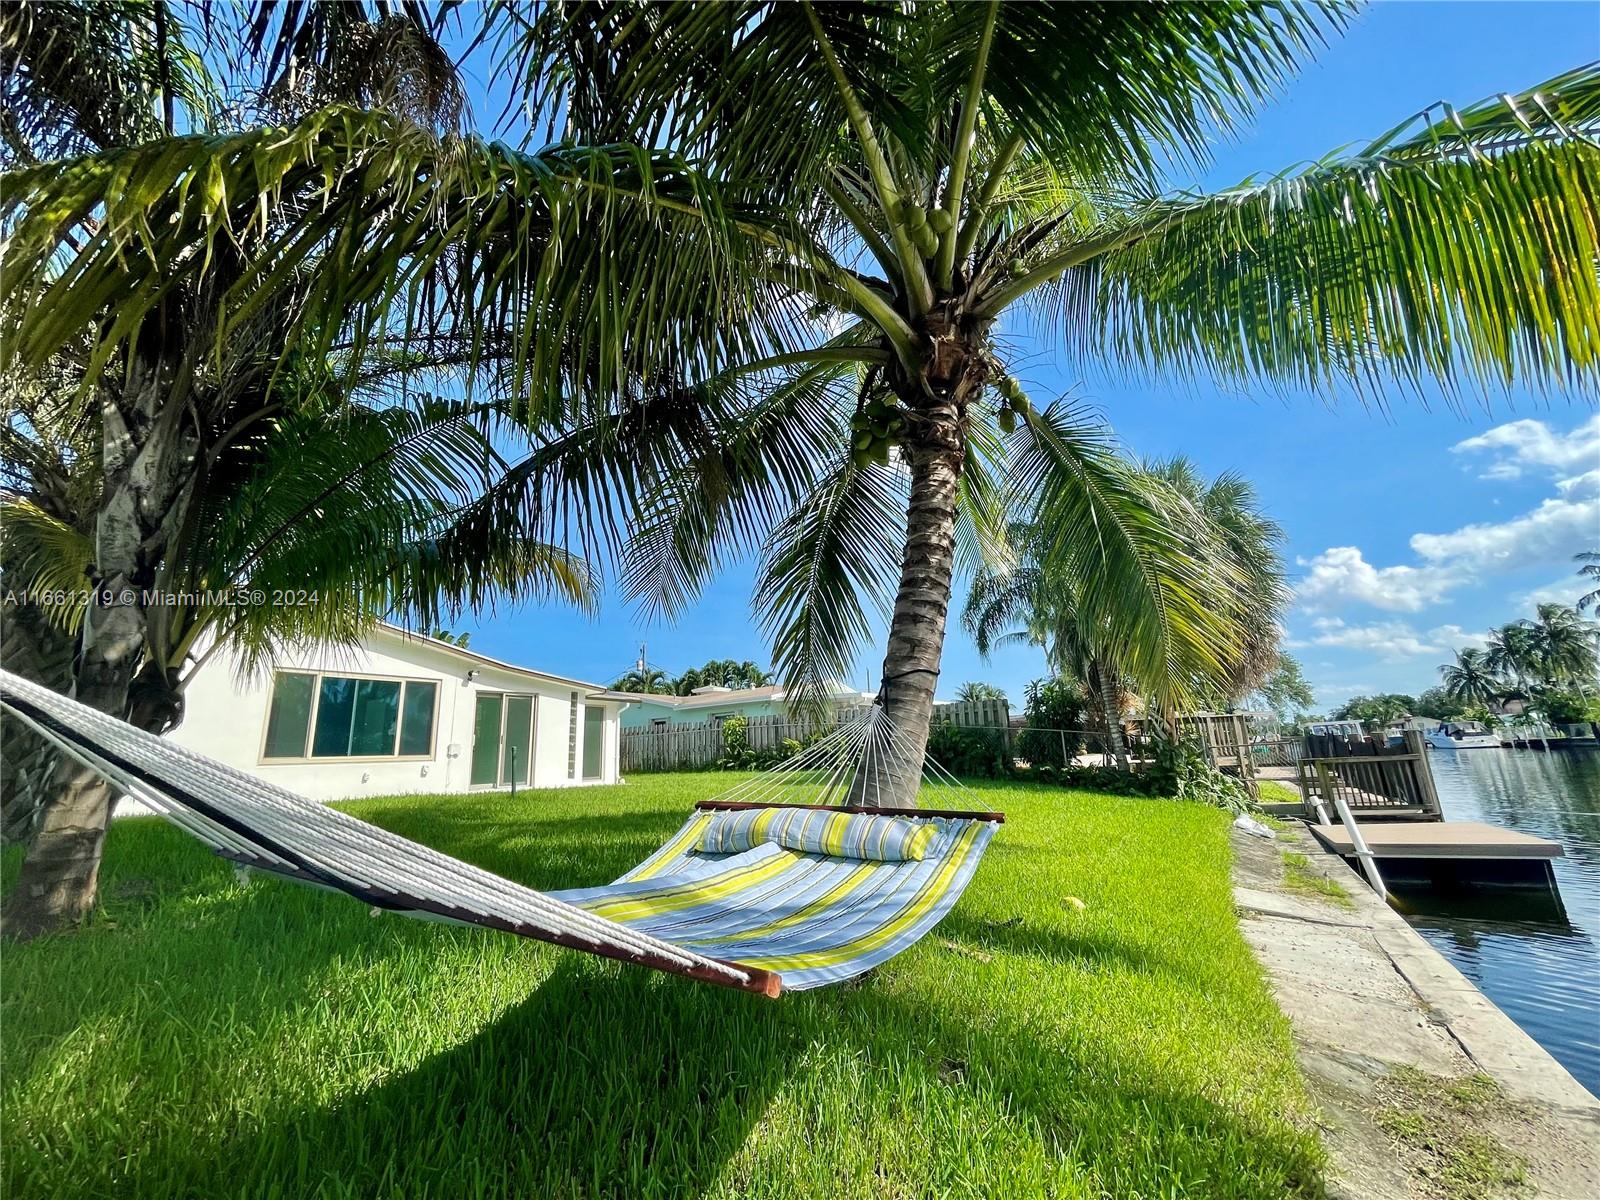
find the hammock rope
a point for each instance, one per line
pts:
(822, 935)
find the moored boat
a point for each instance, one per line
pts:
(1461, 735)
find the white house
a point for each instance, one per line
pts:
(405, 713)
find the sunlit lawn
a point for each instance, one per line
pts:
(206, 1039)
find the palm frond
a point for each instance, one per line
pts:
(44, 555)
(829, 566)
(1140, 581)
(1460, 246)
(401, 234)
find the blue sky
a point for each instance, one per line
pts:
(1410, 528)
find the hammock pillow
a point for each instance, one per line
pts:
(811, 831)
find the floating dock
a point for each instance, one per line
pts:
(1458, 850)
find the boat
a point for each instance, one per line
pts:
(1461, 735)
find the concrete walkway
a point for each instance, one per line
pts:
(1398, 1046)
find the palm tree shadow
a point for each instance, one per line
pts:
(602, 1082)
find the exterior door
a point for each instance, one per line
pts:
(502, 740)
(516, 740)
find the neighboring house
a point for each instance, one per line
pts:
(1512, 704)
(404, 713)
(648, 711)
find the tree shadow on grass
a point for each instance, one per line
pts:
(602, 1082)
(1019, 935)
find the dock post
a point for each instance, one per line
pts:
(1369, 864)
(1424, 769)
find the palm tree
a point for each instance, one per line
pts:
(773, 234)
(973, 691)
(1562, 645)
(330, 517)
(651, 681)
(1589, 571)
(218, 468)
(1471, 680)
(1513, 653)
(1242, 589)
(721, 672)
(1231, 513)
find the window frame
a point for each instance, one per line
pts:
(316, 706)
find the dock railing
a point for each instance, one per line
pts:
(1369, 778)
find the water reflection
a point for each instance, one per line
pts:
(1536, 956)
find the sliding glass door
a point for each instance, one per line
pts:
(502, 740)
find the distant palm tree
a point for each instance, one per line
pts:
(972, 692)
(646, 680)
(1232, 515)
(1590, 571)
(1470, 679)
(1512, 653)
(1562, 645)
(1040, 601)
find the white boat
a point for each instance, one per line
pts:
(1461, 735)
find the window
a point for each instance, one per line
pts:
(658, 722)
(341, 716)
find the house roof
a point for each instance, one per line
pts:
(590, 690)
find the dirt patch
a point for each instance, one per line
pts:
(1441, 1128)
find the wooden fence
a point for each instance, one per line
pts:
(1277, 752)
(690, 746)
(1372, 777)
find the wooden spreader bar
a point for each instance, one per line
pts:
(999, 818)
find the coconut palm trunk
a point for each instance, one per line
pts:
(922, 603)
(148, 453)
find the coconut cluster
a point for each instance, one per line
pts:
(925, 226)
(877, 426)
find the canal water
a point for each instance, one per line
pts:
(1537, 959)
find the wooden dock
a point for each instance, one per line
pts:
(1438, 839)
(1441, 852)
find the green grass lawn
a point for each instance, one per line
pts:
(1273, 792)
(206, 1039)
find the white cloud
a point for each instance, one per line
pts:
(1552, 532)
(1557, 591)
(1519, 445)
(1549, 533)
(1391, 641)
(1453, 637)
(1342, 574)
(1328, 696)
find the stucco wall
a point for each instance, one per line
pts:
(226, 716)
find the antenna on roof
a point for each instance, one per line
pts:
(640, 664)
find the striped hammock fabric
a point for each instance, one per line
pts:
(762, 919)
(814, 919)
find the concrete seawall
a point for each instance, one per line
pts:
(1379, 1013)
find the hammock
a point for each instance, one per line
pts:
(800, 912)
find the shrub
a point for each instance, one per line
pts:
(1181, 770)
(1567, 707)
(971, 752)
(1052, 705)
